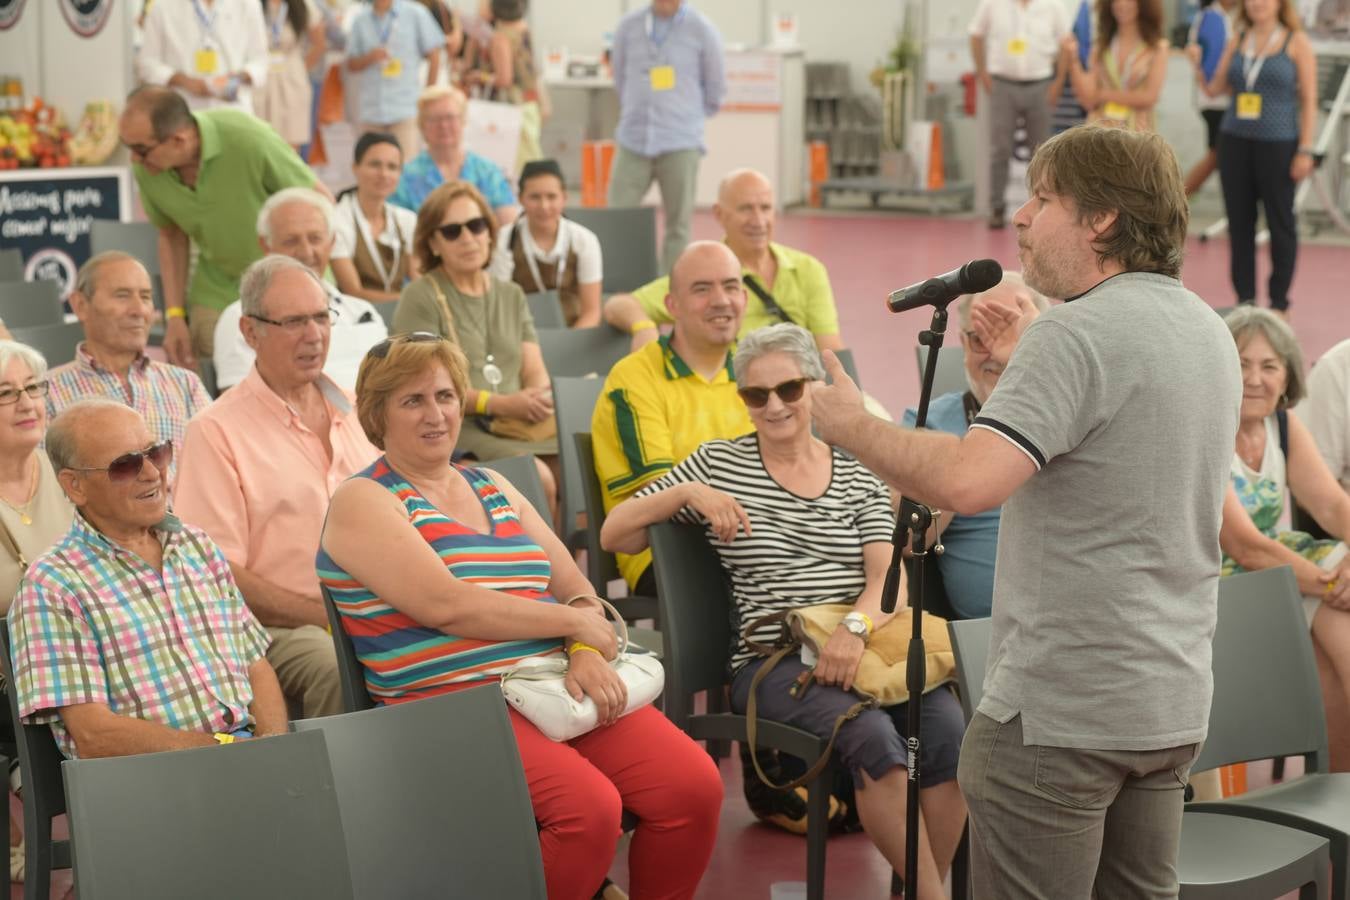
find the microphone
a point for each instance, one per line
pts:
(972, 278)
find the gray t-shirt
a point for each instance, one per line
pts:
(1106, 584)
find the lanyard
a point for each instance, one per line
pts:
(278, 22)
(1126, 69)
(561, 248)
(388, 27)
(1251, 65)
(651, 27)
(207, 24)
(367, 236)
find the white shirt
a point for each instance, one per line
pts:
(174, 33)
(590, 265)
(399, 224)
(1021, 41)
(357, 327)
(1326, 410)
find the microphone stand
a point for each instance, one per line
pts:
(911, 528)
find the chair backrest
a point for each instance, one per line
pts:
(206, 368)
(434, 800)
(56, 343)
(627, 243)
(25, 304)
(11, 264)
(39, 757)
(140, 239)
(257, 818)
(582, 351)
(850, 366)
(546, 309)
(386, 311)
(521, 472)
(351, 674)
(574, 402)
(695, 614)
(951, 369)
(1267, 699)
(601, 565)
(970, 645)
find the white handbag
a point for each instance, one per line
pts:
(534, 686)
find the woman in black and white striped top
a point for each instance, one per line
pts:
(795, 523)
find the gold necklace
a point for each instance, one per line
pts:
(23, 509)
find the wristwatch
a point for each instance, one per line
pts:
(856, 624)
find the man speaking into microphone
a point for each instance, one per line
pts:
(1107, 441)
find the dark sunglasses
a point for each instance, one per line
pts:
(452, 231)
(129, 465)
(788, 392)
(381, 350)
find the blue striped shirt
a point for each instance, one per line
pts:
(653, 122)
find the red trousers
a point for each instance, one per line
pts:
(579, 790)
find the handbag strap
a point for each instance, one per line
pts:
(752, 725)
(767, 299)
(784, 637)
(450, 332)
(12, 546)
(613, 613)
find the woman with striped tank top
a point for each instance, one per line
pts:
(444, 576)
(1266, 139)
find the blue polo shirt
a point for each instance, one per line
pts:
(409, 33)
(421, 176)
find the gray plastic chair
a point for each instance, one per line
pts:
(11, 264)
(574, 402)
(602, 566)
(521, 472)
(351, 674)
(26, 304)
(546, 309)
(140, 239)
(696, 629)
(951, 370)
(850, 367)
(627, 243)
(1268, 704)
(386, 311)
(44, 792)
(258, 818)
(1216, 861)
(434, 801)
(56, 343)
(576, 352)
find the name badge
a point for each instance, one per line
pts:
(1249, 106)
(663, 78)
(1117, 111)
(206, 61)
(392, 68)
(1017, 46)
(277, 61)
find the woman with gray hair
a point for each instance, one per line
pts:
(798, 523)
(1274, 455)
(34, 511)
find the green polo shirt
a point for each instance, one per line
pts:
(801, 288)
(244, 161)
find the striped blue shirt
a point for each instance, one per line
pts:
(653, 122)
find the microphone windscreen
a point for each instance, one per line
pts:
(981, 275)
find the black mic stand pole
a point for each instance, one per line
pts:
(911, 528)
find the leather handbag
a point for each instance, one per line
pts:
(534, 687)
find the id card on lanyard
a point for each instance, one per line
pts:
(393, 66)
(372, 241)
(1248, 104)
(275, 27)
(661, 75)
(1119, 112)
(208, 59)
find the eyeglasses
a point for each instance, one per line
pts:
(143, 150)
(452, 231)
(294, 324)
(10, 395)
(129, 465)
(788, 392)
(381, 350)
(975, 342)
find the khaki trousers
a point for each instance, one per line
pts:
(677, 175)
(306, 666)
(409, 138)
(1070, 824)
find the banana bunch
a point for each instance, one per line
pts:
(95, 137)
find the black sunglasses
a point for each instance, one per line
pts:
(788, 392)
(452, 231)
(381, 350)
(129, 465)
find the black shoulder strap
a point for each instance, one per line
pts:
(1282, 422)
(766, 298)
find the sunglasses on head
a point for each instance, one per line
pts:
(452, 231)
(788, 392)
(381, 350)
(129, 465)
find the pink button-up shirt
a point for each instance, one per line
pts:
(257, 480)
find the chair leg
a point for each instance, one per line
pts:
(817, 831)
(897, 884)
(1277, 769)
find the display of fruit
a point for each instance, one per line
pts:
(34, 137)
(96, 136)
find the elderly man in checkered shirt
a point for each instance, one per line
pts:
(130, 636)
